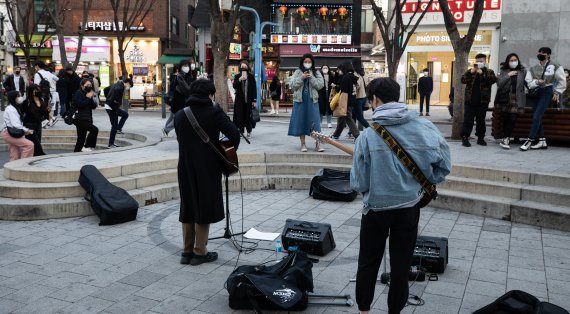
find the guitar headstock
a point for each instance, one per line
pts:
(320, 137)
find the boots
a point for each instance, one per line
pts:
(526, 145)
(540, 145)
(505, 143)
(465, 141)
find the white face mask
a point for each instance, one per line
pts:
(185, 69)
(425, 73)
(481, 65)
(19, 100)
(192, 66)
(325, 70)
(513, 64)
(307, 65)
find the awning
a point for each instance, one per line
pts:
(171, 59)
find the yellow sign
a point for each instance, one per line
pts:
(482, 38)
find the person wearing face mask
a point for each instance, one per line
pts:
(200, 172)
(510, 98)
(305, 117)
(245, 87)
(275, 92)
(180, 88)
(113, 108)
(478, 80)
(83, 105)
(50, 94)
(425, 88)
(325, 93)
(15, 82)
(34, 110)
(548, 76)
(19, 147)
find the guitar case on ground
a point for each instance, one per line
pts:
(332, 185)
(110, 203)
(517, 301)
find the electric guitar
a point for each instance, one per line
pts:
(322, 138)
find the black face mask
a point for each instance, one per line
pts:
(17, 72)
(541, 57)
(88, 89)
(38, 94)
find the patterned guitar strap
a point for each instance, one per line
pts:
(406, 160)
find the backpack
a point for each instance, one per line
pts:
(282, 286)
(44, 85)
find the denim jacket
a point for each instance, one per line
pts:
(380, 176)
(316, 82)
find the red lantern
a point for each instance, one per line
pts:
(283, 10)
(342, 11)
(302, 10)
(323, 11)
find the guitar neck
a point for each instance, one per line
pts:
(347, 149)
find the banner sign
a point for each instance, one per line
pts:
(462, 11)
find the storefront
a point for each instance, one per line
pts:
(430, 47)
(41, 49)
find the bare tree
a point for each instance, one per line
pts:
(396, 32)
(57, 10)
(128, 16)
(21, 16)
(222, 28)
(461, 48)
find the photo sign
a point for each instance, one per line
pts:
(462, 11)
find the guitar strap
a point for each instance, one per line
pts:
(201, 133)
(405, 159)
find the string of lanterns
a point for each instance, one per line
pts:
(324, 12)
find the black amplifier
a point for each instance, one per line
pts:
(431, 253)
(310, 237)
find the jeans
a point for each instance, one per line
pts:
(169, 125)
(471, 114)
(82, 128)
(116, 125)
(426, 97)
(509, 121)
(358, 112)
(544, 98)
(402, 225)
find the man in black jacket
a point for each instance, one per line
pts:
(15, 82)
(113, 108)
(425, 87)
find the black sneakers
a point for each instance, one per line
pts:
(186, 258)
(465, 141)
(481, 141)
(201, 259)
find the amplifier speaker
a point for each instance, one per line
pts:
(431, 253)
(310, 237)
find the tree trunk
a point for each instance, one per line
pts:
(461, 59)
(121, 52)
(220, 79)
(62, 52)
(393, 68)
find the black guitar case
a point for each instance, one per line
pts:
(110, 203)
(520, 302)
(332, 185)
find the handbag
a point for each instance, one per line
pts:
(342, 107)
(69, 116)
(334, 98)
(224, 150)
(15, 132)
(430, 192)
(255, 115)
(533, 92)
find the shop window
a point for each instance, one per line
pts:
(313, 19)
(368, 21)
(174, 26)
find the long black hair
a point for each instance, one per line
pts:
(302, 67)
(12, 95)
(346, 67)
(357, 64)
(506, 63)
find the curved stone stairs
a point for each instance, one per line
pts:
(28, 191)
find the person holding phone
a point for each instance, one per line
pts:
(35, 110)
(84, 104)
(245, 87)
(305, 117)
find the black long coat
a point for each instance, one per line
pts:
(199, 167)
(242, 107)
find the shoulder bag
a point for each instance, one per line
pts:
(430, 192)
(333, 99)
(15, 132)
(224, 150)
(533, 92)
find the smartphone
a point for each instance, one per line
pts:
(244, 73)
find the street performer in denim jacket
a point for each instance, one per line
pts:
(390, 191)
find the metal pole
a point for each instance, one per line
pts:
(164, 82)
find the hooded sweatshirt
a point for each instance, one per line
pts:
(379, 175)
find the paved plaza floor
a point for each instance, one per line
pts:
(75, 266)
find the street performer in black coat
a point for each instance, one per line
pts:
(200, 171)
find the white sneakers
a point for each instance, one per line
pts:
(86, 149)
(329, 125)
(541, 144)
(505, 143)
(272, 111)
(303, 148)
(319, 148)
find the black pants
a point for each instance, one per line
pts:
(426, 97)
(116, 124)
(474, 114)
(402, 224)
(509, 121)
(358, 114)
(82, 128)
(36, 138)
(343, 122)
